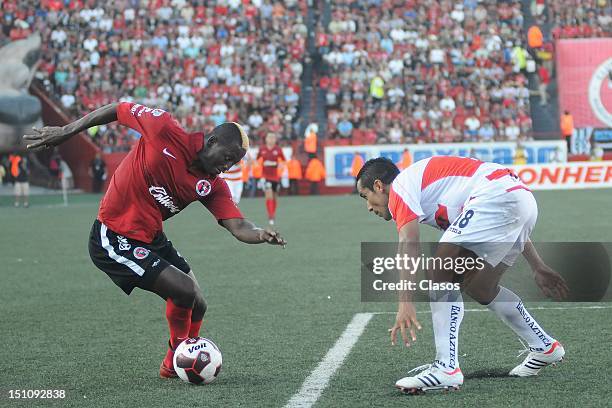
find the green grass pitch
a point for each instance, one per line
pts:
(274, 313)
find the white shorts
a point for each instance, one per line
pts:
(22, 188)
(235, 187)
(495, 222)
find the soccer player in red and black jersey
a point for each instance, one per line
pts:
(272, 155)
(166, 171)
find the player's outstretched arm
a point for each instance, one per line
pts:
(50, 136)
(550, 282)
(405, 319)
(245, 231)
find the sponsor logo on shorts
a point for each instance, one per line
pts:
(203, 187)
(124, 245)
(141, 253)
(157, 261)
(454, 230)
(162, 197)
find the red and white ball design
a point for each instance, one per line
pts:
(198, 361)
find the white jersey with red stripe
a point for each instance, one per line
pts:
(439, 190)
(233, 178)
(234, 173)
(435, 189)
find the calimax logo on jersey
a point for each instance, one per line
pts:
(159, 194)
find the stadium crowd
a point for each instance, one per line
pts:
(396, 71)
(206, 63)
(419, 71)
(577, 18)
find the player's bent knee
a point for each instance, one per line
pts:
(176, 285)
(187, 294)
(483, 294)
(199, 307)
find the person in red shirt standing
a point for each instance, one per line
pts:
(272, 155)
(166, 171)
(543, 85)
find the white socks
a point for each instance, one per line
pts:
(446, 316)
(510, 309)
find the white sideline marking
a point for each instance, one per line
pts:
(529, 308)
(317, 381)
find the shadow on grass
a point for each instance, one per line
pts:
(488, 373)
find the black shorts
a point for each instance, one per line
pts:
(131, 263)
(272, 185)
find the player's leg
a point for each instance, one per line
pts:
(130, 263)
(508, 307)
(270, 201)
(17, 191)
(497, 231)
(275, 191)
(180, 291)
(167, 251)
(236, 190)
(447, 308)
(199, 309)
(447, 311)
(26, 194)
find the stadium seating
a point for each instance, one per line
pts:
(449, 69)
(579, 18)
(396, 71)
(205, 64)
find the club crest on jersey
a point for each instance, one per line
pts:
(203, 187)
(141, 253)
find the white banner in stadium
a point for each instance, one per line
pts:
(566, 175)
(338, 159)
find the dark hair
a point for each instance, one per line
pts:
(227, 134)
(379, 168)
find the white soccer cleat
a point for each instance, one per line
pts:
(537, 360)
(430, 378)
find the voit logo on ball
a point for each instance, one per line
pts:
(600, 92)
(203, 187)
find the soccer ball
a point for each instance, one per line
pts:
(197, 361)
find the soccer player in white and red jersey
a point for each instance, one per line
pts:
(166, 171)
(233, 178)
(272, 155)
(486, 213)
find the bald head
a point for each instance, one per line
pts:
(224, 147)
(230, 133)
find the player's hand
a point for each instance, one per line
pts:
(272, 237)
(405, 320)
(550, 282)
(46, 137)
